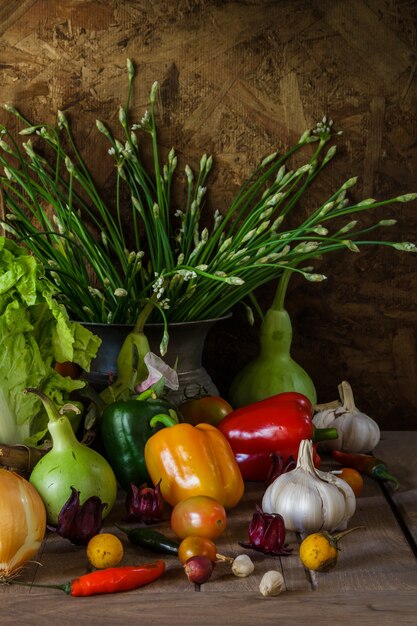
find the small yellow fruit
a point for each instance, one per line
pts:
(318, 552)
(104, 550)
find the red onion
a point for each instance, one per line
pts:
(198, 569)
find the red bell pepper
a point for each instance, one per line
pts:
(274, 425)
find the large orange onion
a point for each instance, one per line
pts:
(22, 523)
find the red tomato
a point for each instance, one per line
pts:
(68, 369)
(207, 409)
(200, 516)
(196, 546)
(353, 478)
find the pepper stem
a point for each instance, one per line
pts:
(224, 559)
(380, 472)
(324, 434)
(163, 418)
(66, 587)
(148, 393)
(122, 528)
(336, 538)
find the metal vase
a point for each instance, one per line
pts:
(186, 346)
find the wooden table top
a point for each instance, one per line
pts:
(374, 582)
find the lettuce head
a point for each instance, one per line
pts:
(35, 332)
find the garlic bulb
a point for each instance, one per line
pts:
(310, 500)
(357, 431)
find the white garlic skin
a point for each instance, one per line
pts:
(272, 583)
(357, 431)
(242, 566)
(310, 500)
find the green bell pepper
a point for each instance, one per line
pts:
(125, 429)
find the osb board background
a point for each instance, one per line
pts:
(238, 80)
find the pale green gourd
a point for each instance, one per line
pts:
(273, 371)
(131, 368)
(70, 464)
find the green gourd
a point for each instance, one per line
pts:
(131, 368)
(273, 371)
(70, 464)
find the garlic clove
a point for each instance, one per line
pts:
(299, 503)
(338, 511)
(267, 503)
(324, 419)
(349, 497)
(272, 583)
(243, 566)
(328, 419)
(360, 433)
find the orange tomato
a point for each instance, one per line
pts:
(196, 546)
(353, 478)
(201, 516)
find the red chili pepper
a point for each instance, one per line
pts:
(274, 425)
(110, 580)
(366, 464)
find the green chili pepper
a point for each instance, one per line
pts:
(151, 540)
(125, 428)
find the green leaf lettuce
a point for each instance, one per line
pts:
(35, 332)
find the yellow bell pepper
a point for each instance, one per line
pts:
(192, 461)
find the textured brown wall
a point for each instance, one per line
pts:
(239, 79)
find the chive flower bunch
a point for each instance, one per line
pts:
(106, 262)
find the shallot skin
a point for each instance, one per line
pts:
(22, 522)
(198, 569)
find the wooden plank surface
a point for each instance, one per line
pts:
(398, 450)
(380, 557)
(246, 609)
(376, 576)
